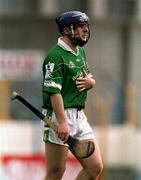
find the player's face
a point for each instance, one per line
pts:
(82, 31)
(79, 35)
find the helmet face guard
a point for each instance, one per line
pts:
(72, 19)
(77, 39)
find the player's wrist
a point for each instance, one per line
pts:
(62, 121)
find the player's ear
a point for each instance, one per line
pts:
(66, 30)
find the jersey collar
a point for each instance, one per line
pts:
(64, 46)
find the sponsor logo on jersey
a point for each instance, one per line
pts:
(79, 74)
(49, 70)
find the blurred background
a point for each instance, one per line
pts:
(27, 31)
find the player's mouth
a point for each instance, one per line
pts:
(85, 37)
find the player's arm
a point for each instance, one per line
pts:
(53, 79)
(58, 107)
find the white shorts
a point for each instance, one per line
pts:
(77, 122)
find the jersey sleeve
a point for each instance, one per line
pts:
(52, 74)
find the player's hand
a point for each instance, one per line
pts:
(63, 131)
(85, 82)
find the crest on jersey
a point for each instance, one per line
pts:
(71, 64)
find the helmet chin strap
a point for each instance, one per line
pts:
(77, 40)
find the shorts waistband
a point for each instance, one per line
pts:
(76, 108)
(79, 108)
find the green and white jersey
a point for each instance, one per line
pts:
(61, 68)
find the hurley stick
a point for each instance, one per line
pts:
(80, 148)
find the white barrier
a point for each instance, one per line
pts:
(120, 145)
